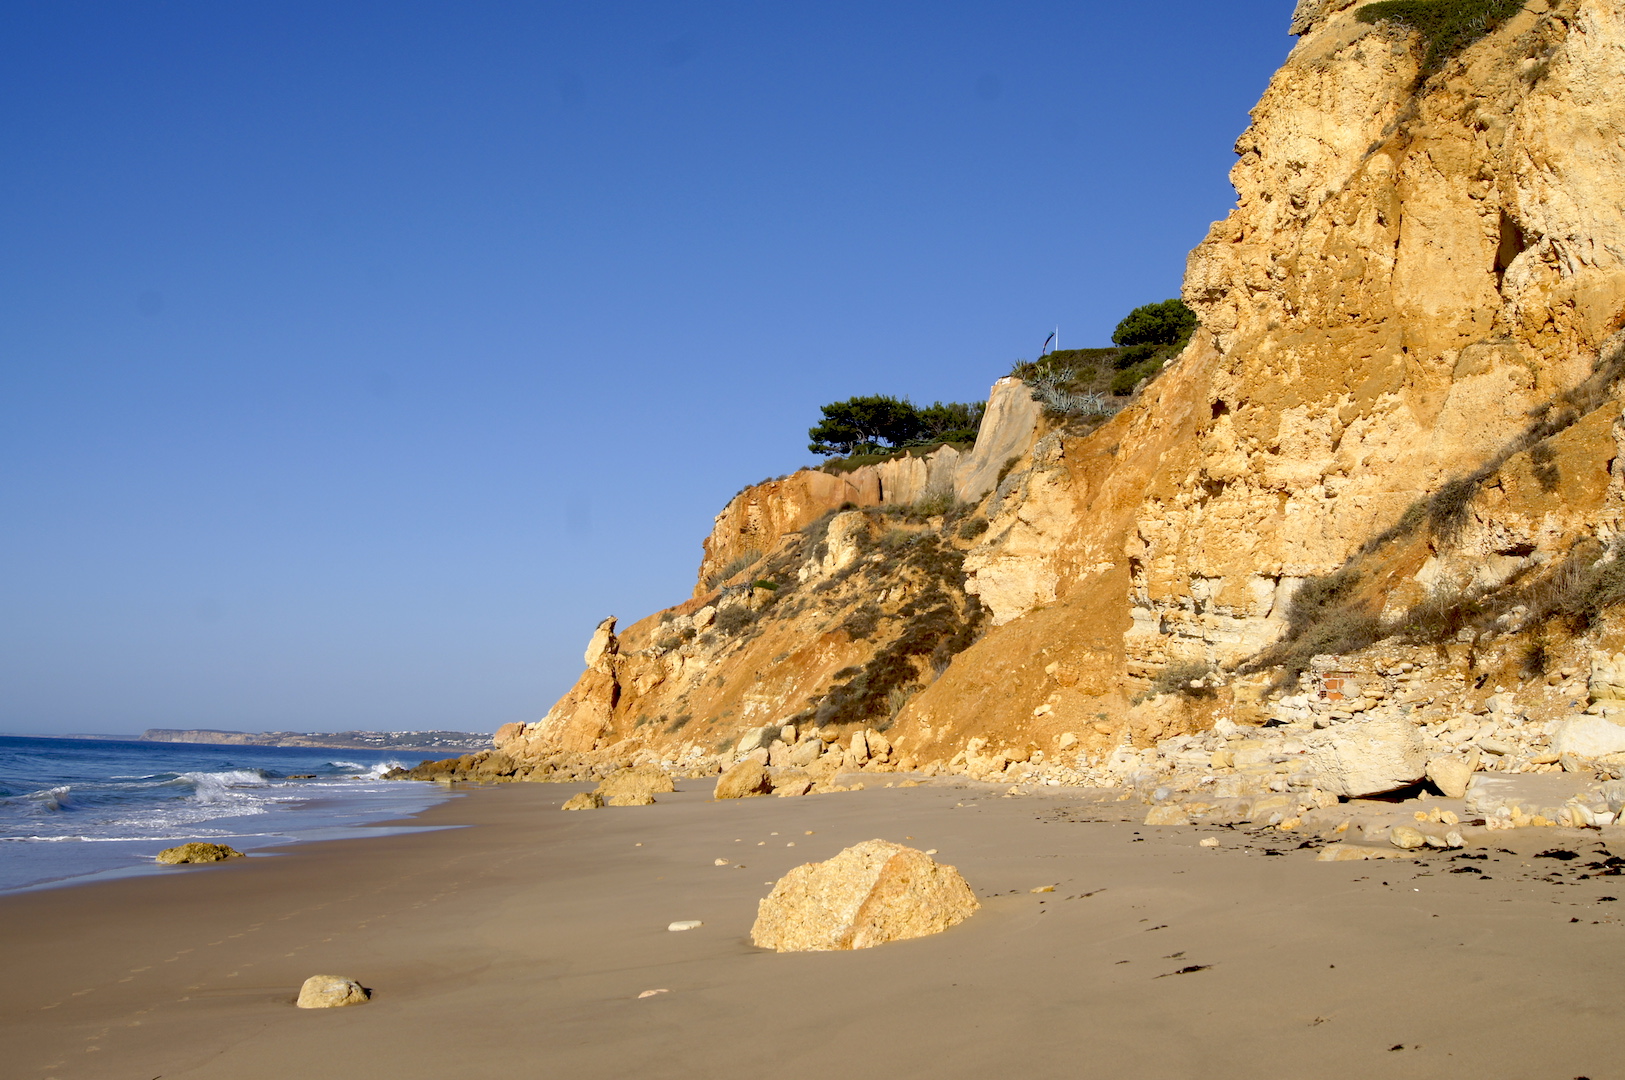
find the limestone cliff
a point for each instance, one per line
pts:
(754, 520)
(1403, 390)
(1412, 274)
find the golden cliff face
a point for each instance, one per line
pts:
(1420, 283)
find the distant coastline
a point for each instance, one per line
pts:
(455, 741)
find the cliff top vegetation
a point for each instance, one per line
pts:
(1076, 382)
(1446, 26)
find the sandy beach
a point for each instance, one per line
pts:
(518, 944)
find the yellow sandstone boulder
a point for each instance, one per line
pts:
(331, 992)
(744, 780)
(869, 894)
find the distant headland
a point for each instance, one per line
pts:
(336, 740)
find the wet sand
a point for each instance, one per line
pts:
(517, 946)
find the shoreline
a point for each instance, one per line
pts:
(526, 936)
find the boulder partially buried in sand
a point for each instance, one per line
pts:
(583, 800)
(331, 992)
(197, 853)
(869, 894)
(637, 780)
(744, 780)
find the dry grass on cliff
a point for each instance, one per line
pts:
(915, 641)
(1339, 613)
(1185, 679)
(1446, 511)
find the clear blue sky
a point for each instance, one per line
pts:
(356, 359)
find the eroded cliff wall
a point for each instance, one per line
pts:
(1408, 360)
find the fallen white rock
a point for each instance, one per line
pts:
(1588, 737)
(1354, 760)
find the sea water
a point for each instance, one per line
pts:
(74, 810)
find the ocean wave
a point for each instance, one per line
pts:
(55, 798)
(369, 772)
(218, 787)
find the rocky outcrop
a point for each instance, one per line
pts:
(869, 894)
(758, 518)
(197, 852)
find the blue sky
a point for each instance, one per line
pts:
(356, 359)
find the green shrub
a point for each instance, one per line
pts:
(1124, 382)
(1446, 26)
(933, 504)
(1138, 354)
(868, 425)
(1167, 323)
(972, 528)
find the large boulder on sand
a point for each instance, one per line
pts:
(869, 894)
(637, 780)
(1451, 773)
(197, 853)
(1356, 759)
(744, 780)
(331, 992)
(1588, 737)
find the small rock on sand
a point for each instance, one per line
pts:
(1406, 838)
(685, 924)
(197, 853)
(869, 894)
(1167, 815)
(585, 800)
(1210, 841)
(330, 992)
(632, 798)
(720, 862)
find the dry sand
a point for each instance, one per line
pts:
(518, 946)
